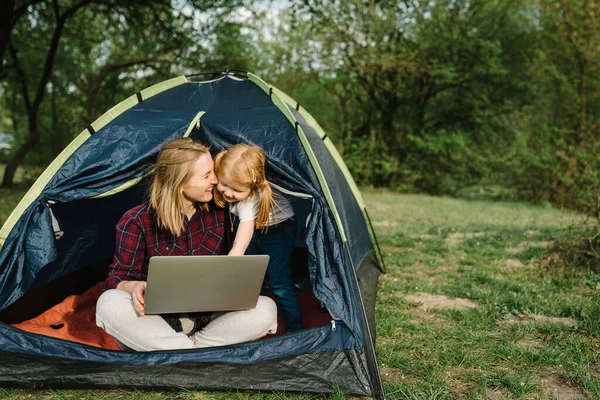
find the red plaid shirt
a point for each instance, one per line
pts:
(139, 237)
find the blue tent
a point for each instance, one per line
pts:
(60, 239)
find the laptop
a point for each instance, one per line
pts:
(178, 284)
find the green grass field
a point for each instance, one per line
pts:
(484, 300)
(481, 300)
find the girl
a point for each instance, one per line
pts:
(265, 226)
(177, 220)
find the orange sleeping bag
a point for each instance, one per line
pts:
(73, 319)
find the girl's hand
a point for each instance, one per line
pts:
(242, 238)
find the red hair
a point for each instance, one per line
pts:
(244, 166)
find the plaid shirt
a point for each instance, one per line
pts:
(139, 237)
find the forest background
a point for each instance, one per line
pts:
(495, 99)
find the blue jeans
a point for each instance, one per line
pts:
(278, 243)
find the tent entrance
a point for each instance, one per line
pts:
(61, 303)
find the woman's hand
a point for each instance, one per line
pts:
(137, 290)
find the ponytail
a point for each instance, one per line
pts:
(265, 204)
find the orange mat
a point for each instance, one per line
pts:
(74, 319)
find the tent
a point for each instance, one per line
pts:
(59, 241)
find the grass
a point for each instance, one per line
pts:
(480, 300)
(532, 328)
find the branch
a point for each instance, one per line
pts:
(69, 13)
(21, 76)
(125, 64)
(591, 242)
(6, 15)
(49, 63)
(107, 69)
(56, 9)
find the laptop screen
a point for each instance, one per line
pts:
(178, 284)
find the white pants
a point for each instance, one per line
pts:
(116, 315)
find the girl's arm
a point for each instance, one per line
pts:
(242, 238)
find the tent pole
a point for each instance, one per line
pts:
(369, 339)
(376, 241)
(242, 73)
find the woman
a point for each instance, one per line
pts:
(177, 220)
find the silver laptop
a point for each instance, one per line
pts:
(178, 284)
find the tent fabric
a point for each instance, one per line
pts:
(314, 340)
(348, 208)
(322, 372)
(89, 190)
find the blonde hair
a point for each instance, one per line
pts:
(244, 166)
(174, 168)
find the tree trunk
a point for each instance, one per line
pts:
(6, 14)
(372, 177)
(33, 107)
(14, 114)
(582, 98)
(17, 159)
(581, 136)
(57, 130)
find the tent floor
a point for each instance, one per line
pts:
(73, 319)
(65, 308)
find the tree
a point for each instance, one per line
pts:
(434, 79)
(49, 18)
(566, 126)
